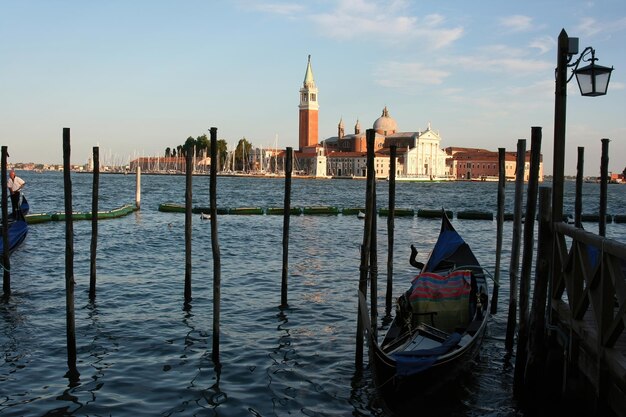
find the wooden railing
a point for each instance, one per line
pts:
(593, 275)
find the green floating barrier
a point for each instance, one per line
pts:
(351, 211)
(474, 215)
(433, 214)
(38, 218)
(75, 216)
(172, 208)
(594, 218)
(245, 210)
(619, 218)
(398, 212)
(320, 210)
(294, 211)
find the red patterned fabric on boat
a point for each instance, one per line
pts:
(444, 297)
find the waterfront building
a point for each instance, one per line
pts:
(482, 165)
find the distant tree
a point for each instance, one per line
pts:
(189, 146)
(624, 172)
(173, 153)
(242, 153)
(179, 148)
(203, 145)
(168, 152)
(222, 152)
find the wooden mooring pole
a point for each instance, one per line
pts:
(6, 261)
(536, 337)
(94, 222)
(604, 180)
(188, 203)
(578, 202)
(138, 188)
(373, 269)
(215, 247)
(365, 246)
(286, 216)
(72, 372)
(527, 257)
(499, 226)
(517, 225)
(390, 228)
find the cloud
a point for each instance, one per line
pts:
(589, 26)
(283, 9)
(517, 23)
(543, 44)
(408, 75)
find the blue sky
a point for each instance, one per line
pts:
(135, 77)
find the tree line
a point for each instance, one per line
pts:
(201, 148)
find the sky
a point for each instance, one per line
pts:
(136, 77)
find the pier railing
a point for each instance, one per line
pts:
(593, 275)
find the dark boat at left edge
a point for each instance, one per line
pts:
(17, 227)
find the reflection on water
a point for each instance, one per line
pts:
(140, 354)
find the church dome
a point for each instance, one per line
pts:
(385, 124)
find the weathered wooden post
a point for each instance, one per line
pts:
(286, 214)
(365, 247)
(517, 225)
(390, 227)
(536, 338)
(215, 247)
(138, 188)
(72, 372)
(188, 202)
(94, 222)
(527, 257)
(6, 261)
(499, 226)
(578, 202)
(604, 180)
(374, 256)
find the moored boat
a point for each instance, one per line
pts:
(17, 227)
(439, 324)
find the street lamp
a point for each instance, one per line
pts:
(593, 81)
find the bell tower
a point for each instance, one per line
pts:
(309, 107)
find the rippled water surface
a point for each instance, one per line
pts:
(141, 353)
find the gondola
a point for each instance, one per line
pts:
(17, 227)
(439, 323)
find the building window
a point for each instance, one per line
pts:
(313, 97)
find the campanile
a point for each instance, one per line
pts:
(309, 107)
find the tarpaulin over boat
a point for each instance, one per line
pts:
(450, 247)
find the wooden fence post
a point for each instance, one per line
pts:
(94, 222)
(536, 338)
(517, 225)
(390, 228)
(527, 257)
(365, 247)
(578, 203)
(215, 247)
(188, 203)
(499, 226)
(72, 372)
(138, 188)
(604, 180)
(286, 214)
(6, 261)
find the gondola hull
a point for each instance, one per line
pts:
(421, 353)
(17, 228)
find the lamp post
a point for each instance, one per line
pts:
(593, 81)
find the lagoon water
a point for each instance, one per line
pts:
(141, 354)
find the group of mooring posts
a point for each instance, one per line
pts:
(531, 330)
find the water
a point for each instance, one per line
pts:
(140, 353)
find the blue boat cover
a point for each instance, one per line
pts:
(415, 361)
